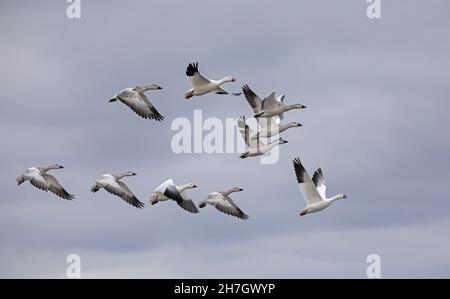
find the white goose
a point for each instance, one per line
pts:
(202, 85)
(40, 179)
(138, 101)
(313, 191)
(112, 184)
(255, 146)
(223, 202)
(168, 190)
(270, 106)
(271, 126)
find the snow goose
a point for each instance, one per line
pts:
(138, 101)
(313, 191)
(112, 184)
(271, 126)
(40, 179)
(256, 147)
(168, 190)
(223, 202)
(202, 85)
(270, 106)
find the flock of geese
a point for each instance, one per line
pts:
(268, 112)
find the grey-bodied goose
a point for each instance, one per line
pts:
(223, 202)
(270, 106)
(39, 178)
(138, 101)
(112, 184)
(168, 190)
(313, 190)
(202, 85)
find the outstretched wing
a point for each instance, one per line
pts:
(244, 129)
(187, 203)
(129, 197)
(306, 185)
(281, 100)
(253, 100)
(319, 181)
(194, 76)
(38, 181)
(247, 134)
(153, 112)
(169, 190)
(270, 102)
(227, 206)
(121, 190)
(172, 193)
(55, 187)
(220, 90)
(133, 100)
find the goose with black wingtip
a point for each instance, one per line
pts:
(313, 190)
(137, 101)
(222, 201)
(39, 178)
(202, 85)
(168, 190)
(270, 106)
(113, 184)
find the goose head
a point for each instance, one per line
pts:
(282, 141)
(191, 185)
(230, 79)
(20, 180)
(155, 87)
(297, 106)
(237, 189)
(130, 173)
(244, 155)
(55, 166)
(113, 99)
(259, 114)
(337, 197)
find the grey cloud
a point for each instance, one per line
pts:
(377, 96)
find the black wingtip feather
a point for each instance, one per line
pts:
(246, 89)
(191, 69)
(137, 203)
(244, 216)
(317, 175)
(299, 170)
(158, 117)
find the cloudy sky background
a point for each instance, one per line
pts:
(377, 93)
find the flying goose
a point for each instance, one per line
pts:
(112, 184)
(202, 85)
(270, 106)
(271, 126)
(40, 179)
(138, 101)
(223, 202)
(313, 191)
(168, 190)
(256, 147)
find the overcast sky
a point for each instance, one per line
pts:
(377, 93)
